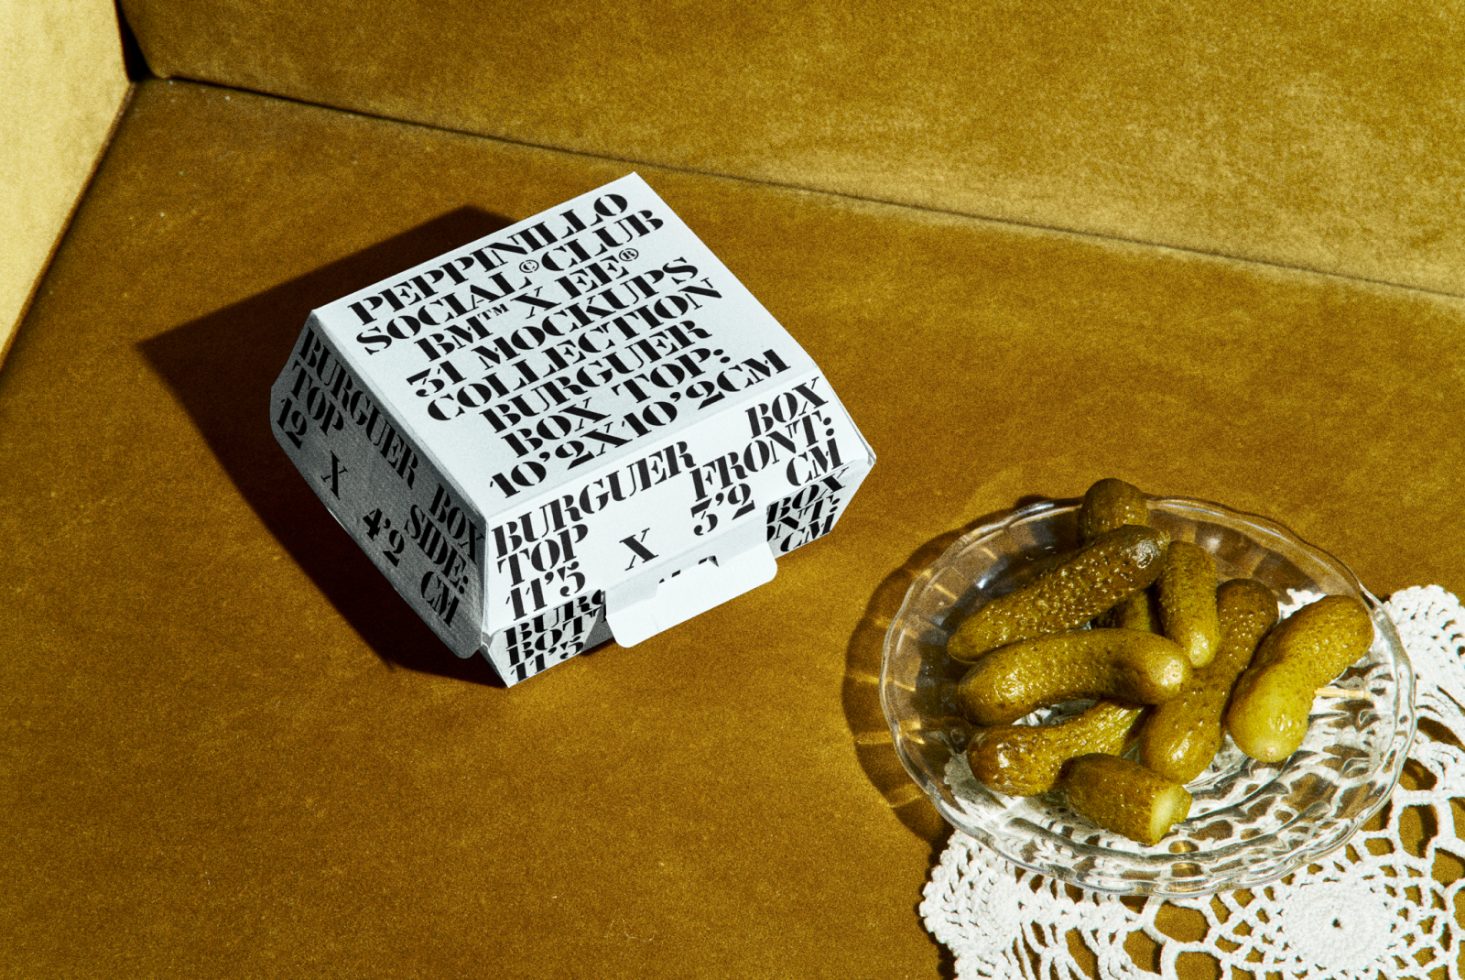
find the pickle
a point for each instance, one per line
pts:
(1124, 797)
(1108, 505)
(1186, 590)
(1111, 504)
(1134, 613)
(1125, 665)
(1091, 581)
(1182, 736)
(1271, 702)
(1024, 760)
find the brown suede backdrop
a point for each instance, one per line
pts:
(1324, 135)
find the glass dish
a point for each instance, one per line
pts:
(1250, 822)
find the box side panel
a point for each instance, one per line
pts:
(788, 461)
(798, 463)
(830, 472)
(382, 489)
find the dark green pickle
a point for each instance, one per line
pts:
(1024, 760)
(1111, 504)
(1186, 595)
(1125, 797)
(1272, 701)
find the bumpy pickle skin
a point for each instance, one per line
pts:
(1025, 760)
(1271, 702)
(1186, 594)
(1108, 505)
(1124, 797)
(1111, 504)
(1124, 665)
(1135, 613)
(1094, 579)
(1181, 737)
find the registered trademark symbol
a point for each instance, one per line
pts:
(629, 255)
(529, 265)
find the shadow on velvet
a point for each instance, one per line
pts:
(221, 367)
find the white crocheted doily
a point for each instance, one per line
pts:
(1373, 908)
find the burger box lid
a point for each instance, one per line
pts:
(577, 427)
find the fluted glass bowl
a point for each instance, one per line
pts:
(1250, 822)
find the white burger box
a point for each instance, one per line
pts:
(580, 427)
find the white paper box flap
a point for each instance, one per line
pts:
(737, 562)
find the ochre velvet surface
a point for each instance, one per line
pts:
(228, 747)
(1322, 135)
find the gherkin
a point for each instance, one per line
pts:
(1108, 505)
(1124, 665)
(1270, 705)
(1093, 580)
(1182, 735)
(1125, 797)
(1186, 593)
(1024, 760)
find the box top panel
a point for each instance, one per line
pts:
(559, 345)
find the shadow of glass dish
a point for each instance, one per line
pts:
(873, 746)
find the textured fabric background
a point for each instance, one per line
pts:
(226, 747)
(229, 748)
(61, 87)
(1329, 136)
